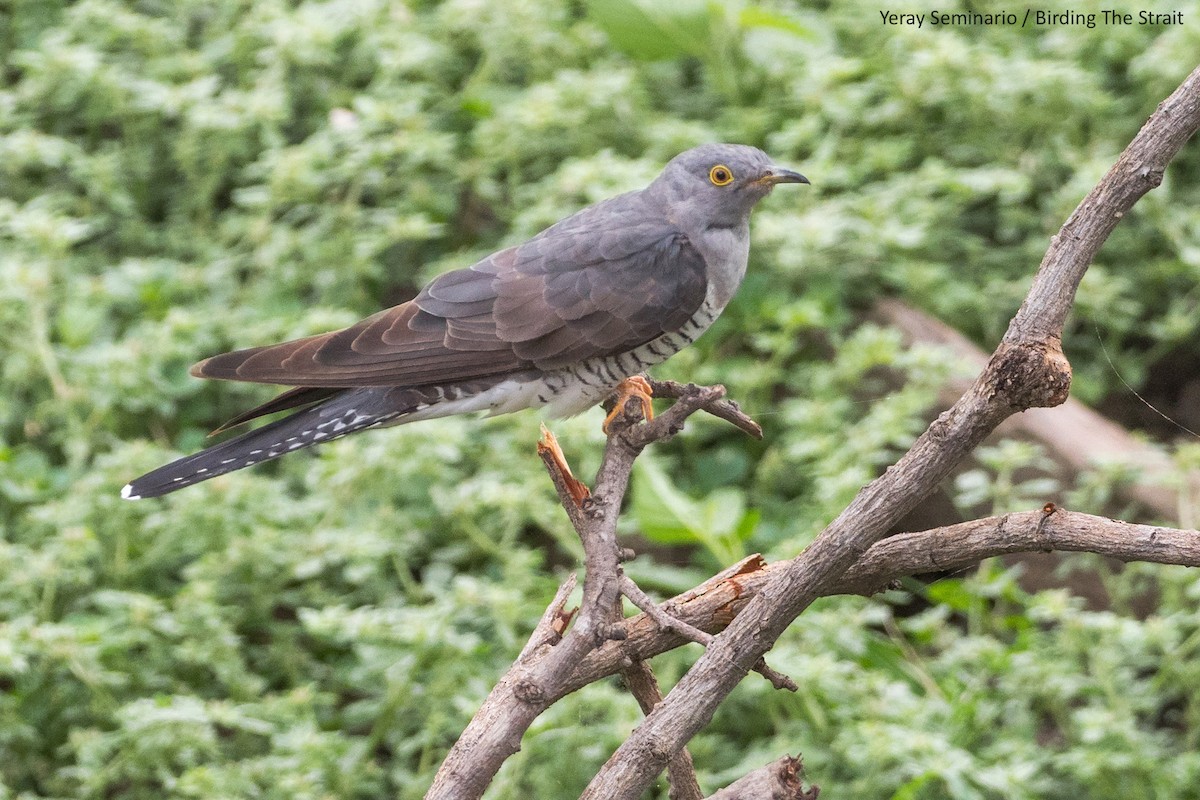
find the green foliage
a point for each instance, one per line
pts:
(998, 485)
(181, 178)
(1046, 700)
(720, 523)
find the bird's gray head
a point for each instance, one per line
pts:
(717, 185)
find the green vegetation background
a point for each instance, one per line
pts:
(181, 177)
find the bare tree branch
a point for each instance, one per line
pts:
(1027, 370)
(779, 780)
(713, 606)
(542, 674)
(661, 618)
(757, 601)
(681, 772)
(1075, 435)
(493, 733)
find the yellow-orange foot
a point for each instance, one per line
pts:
(635, 388)
(547, 447)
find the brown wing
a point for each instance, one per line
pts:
(601, 282)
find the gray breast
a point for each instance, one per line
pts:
(726, 252)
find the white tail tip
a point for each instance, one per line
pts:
(127, 493)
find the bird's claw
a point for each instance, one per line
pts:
(632, 388)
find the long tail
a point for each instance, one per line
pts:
(342, 414)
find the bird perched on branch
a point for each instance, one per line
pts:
(559, 322)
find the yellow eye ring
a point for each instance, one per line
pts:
(720, 175)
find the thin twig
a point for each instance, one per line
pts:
(677, 626)
(776, 678)
(663, 619)
(554, 621)
(721, 408)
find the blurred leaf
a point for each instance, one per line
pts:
(720, 522)
(653, 31)
(762, 17)
(951, 592)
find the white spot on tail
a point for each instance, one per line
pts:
(127, 493)
(350, 420)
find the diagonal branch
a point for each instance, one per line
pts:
(681, 772)
(713, 605)
(533, 683)
(1027, 370)
(1075, 435)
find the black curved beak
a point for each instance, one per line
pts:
(775, 175)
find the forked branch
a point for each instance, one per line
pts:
(750, 604)
(1028, 369)
(543, 672)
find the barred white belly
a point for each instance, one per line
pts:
(570, 390)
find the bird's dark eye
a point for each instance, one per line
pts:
(720, 175)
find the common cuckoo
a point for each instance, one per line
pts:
(557, 322)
